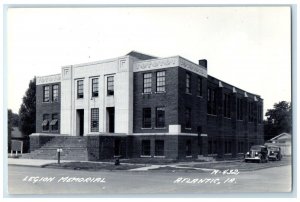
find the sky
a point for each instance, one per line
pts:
(248, 47)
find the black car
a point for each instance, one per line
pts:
(258, 153)
(274, 153)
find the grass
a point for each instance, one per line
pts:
(91, 166)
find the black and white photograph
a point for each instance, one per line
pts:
(172, 100)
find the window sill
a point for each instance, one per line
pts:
(160, 128)
(188, 128)
(159, 156)
(212, 154)
(199, 96)
(188, 156)
(228, 154)
(160, 92)
(45, 102)
(188, 93)
(145, 156)
(227, 118)
(212, 115)
(146, 128)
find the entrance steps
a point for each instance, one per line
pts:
(73, 148)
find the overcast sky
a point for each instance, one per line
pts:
(245, 47)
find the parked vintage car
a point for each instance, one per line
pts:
(274, 153)
(258, 153)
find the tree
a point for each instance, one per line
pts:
(12, 121)
(9, 128)
(28, 109)
(279, 120)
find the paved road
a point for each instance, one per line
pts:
(276, 179)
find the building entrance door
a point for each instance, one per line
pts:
(111, 119)
(80, 122)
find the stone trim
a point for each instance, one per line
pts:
(175, 61)
(48, 79)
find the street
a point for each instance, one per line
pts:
(35, 180)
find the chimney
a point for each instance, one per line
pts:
(203, 63)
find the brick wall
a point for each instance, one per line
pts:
(169, 100)
(51, 107)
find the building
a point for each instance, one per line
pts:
(284, 141)
(138, 106)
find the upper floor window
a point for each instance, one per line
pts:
(110, 85)
(226, 106)
(55, 93)
(239, 109)
(46, 94)
(80, 89)
(54, 122)
(45, 123)
(199, 87)
(147, 81)
(94, 120)
(259, 112)
(146, 118)
(161, 81)
(250, 111)
(188, 83)
(188, 118)
(211, 102)
(95, 87)
(160, 117)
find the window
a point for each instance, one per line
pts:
(159, 148)
(160, 117)
(110, 85)
(188, 148)
(210, 147)
(95, 87)
(80, 89)
(146, 147)
(239, 109)
(54, 122)
(211, 102)
(188, 123)
(147, 83)
(147, 118)
(215, 148)
(188, 83)
(227, 147)
(160, 81)
(226, 109)
(46, 94)
(55, 93)
(199, 87)
(259, 114)
(250, 111)
(45, 123)
(94, 120)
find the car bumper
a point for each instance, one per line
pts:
(252, 158)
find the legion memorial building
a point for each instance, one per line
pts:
(140, 106)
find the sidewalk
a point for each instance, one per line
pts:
(31, 162)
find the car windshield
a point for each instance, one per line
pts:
(274, 148)
(256, 147)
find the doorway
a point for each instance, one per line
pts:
(111, 119)
(80, 122)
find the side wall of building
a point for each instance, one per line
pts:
(51, 107)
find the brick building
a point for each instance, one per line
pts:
(139, 106)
